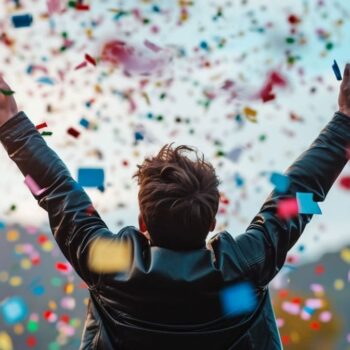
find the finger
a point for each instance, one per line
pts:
(346, 75)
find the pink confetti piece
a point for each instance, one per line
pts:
(291, 308)
(153, 47)
(135, 60)
(305, 315)
(314, 303)
(325, 316)
(53, 6)
(317, 288)
(33, 186)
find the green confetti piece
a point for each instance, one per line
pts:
(46, 133)
(32, 326)
(7, 92)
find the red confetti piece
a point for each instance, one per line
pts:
(41, 126)
(285, 339)
(47, 314)
(82, 7)
(36, 260)
(283, 293)
(345, 182)
(296, 300)
(90, 210)
(315, 325)
(319, 270)
(81, 65)
(73, 132)
(287, 208)
(31, 341)
(65, 318)
(90, 59)
(60, 266)
(42, 239)
(293, 19)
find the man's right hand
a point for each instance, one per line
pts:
(344, 94)
(8, 106)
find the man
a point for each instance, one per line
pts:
(169, 296)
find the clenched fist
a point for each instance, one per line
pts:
(8, 106)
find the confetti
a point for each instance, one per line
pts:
(280, 181)
(33, 186)
(91, 177)
(6, 92)
(336, 70)
(238, 299)
(21, 21)
(14, 310)
(287, 208)
(108, 256)
(306, 204)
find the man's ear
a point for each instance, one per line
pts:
(212, 226)
(142, 225)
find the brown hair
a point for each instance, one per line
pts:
(178, 197)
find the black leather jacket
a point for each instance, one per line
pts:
(169, 299)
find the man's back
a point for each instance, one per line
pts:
(170, 298)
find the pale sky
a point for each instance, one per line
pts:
(254, 43)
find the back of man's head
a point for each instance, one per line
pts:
(178, 198)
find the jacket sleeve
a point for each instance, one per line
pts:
(268, 238)
(74, 222)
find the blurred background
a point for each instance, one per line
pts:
(248, 83)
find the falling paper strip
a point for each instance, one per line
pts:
(287, 208)
(20, 21)
(336, 70)
(91, 177)
(108, 256)
(280, 181)
(306, 203)
(238, 299)
(33, 186)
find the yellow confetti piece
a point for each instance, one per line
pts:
(345, 255)
(26, 264)
(69, 288)
(15, 281)
(52, 305)
(12, 235)
(47, 246)
(295, 336)
(107, 256)
(250, 114)
(5, 341)
(18, 329)
(338, 284)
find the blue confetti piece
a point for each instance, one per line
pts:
(280, 181)
(306, 203)
(21, 21)
(85, 123)
(336, 70)
(91, 177)
(14, 310)
(138, 136)
(238, 299)
(46, 80)
(238, 180)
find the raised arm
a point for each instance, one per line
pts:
(73, 220)
(268, 237)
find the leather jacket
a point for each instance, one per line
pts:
(170, 299)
